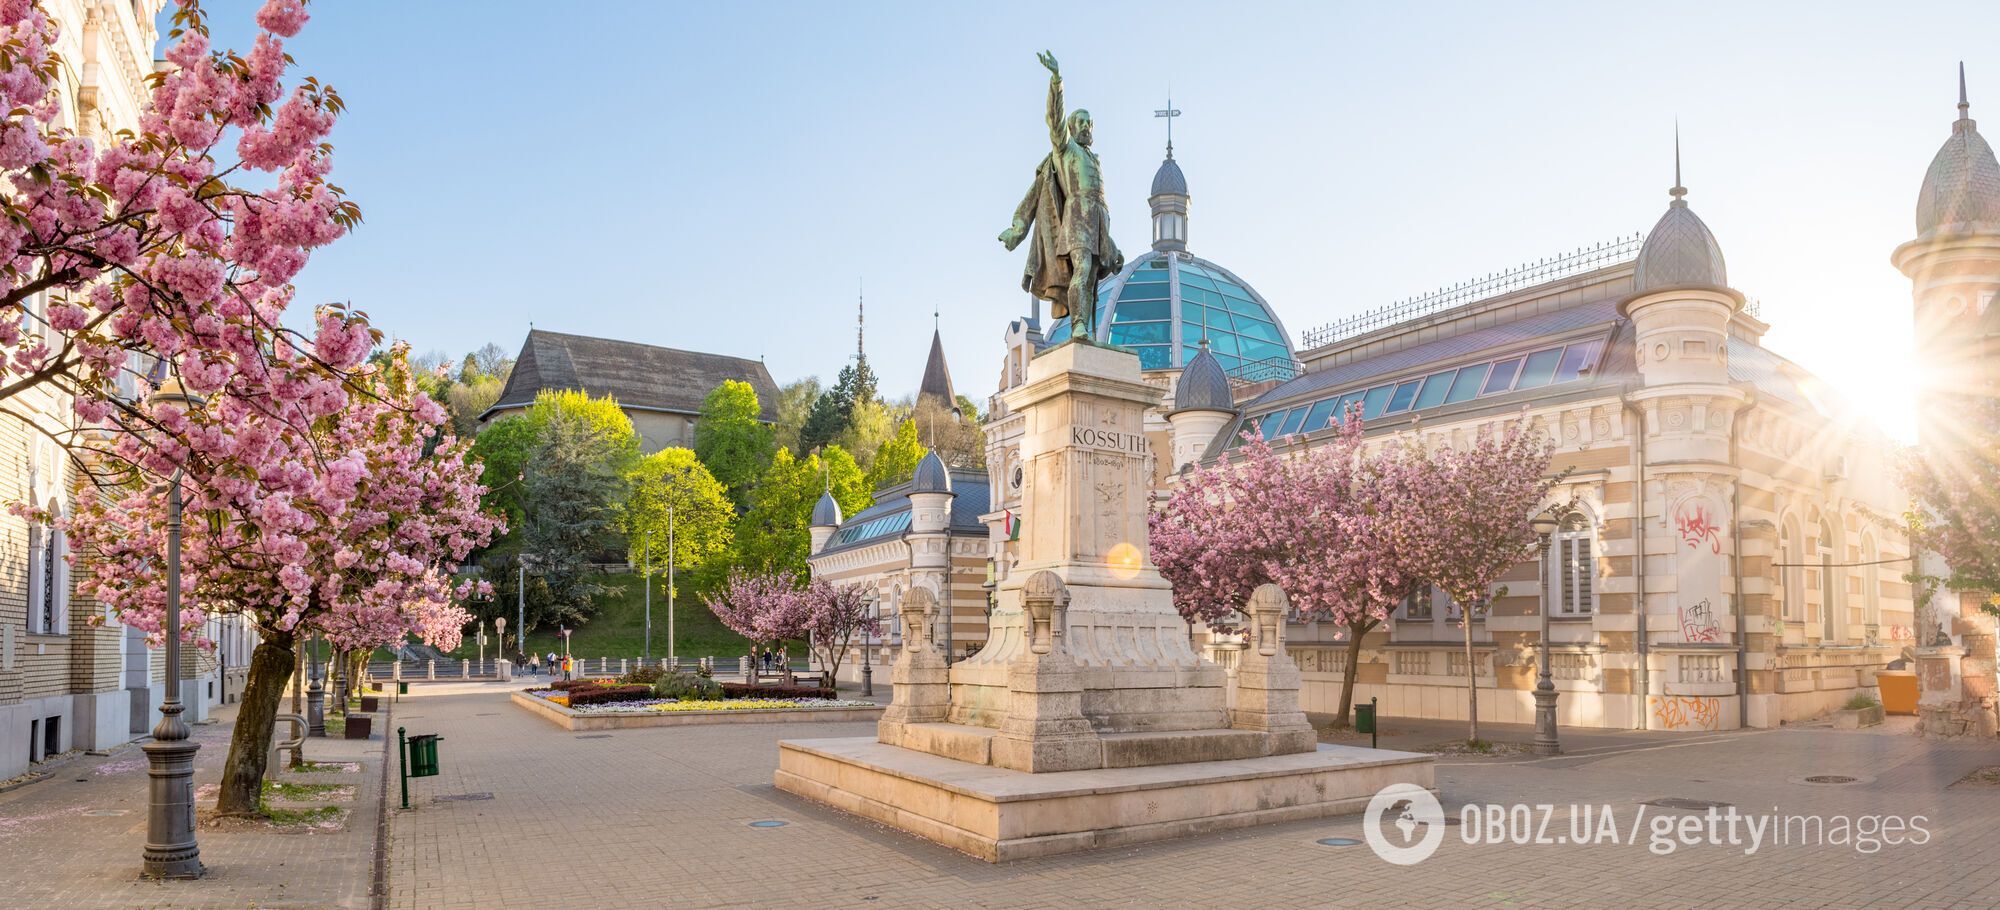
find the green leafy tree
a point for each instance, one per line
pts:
(502, 449)
(795, 402)
(833, 411)
(896, 460)
(730, 441)
(574, 493)
(773, 535)
(672, 487)
(869, 425)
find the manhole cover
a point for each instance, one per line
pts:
(595, 736)
(768, 823)
(106, 813)
(1337, 842)
(464, 797)
(1679, 802)
(1831, 779)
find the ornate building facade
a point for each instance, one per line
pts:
(1720, 568)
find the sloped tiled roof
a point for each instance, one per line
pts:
(639, 376)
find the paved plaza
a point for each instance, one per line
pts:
(72, 839)
(662, 818)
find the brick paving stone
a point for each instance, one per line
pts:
(54, 854)
(660, 818)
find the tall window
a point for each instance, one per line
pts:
(1829, 585)
(48, 579)
(1790, 573)
(1572, 568)
(1871, 577)
(1417, 606)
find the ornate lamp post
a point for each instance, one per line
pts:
(500, 635)
(1544, 524)
(868, 646)
(315, 693)
(171, 850)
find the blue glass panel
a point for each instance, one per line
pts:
(1466, 385)
(1502, 377)
(1576, 359)
(1292, 423)
(1405, 394)
(1270, 423)
(1374, 401)
(1230, 363)
(1263, 350)
(1319, 417)
(1160, 264)
(1346, 402)
(1140, 310)
(1238, 303)
(1148, 276)
(1155, 291)
(1155, 357)
(1216, 320)
(1223, 343)
(1539, 369)
(1263, 330)
(1203, 296)
(1191, 278)
(1129, 333)
(1059, 331)
(1435, 388)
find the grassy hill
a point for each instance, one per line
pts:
(619, 629)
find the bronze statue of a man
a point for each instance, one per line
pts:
(1072, 249)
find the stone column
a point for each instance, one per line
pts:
(1045, 729)
(920, 684)
(1267, 681)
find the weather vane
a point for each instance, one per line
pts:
(1169, 112)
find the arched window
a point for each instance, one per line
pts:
(1830, 585)
(1572, 567)
(1418, 606)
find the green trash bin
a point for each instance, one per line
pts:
(1364, 721)
(424, 755)
(402, 688)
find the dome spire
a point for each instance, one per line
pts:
(1170, 112)
(1170, 193)
(1961, 191)
(1678, 190)
(1679, 251)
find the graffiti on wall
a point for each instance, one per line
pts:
(1687, 712)
(1698, 622)
(1697, 526)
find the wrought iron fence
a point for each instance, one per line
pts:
(1541, 271)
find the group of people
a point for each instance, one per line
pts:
(556, 664)
(776, 660)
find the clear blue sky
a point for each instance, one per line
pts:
(719, 176)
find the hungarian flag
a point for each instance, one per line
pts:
(1012, 525)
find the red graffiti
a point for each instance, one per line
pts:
(1696, 526)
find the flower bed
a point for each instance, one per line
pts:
(560, 707)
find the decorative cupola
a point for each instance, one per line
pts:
(1681, 306)
(1203, 405)
(1169, 200)
(825, 520)
(1954, 270)
(929, 536)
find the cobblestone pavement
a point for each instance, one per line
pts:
(73, 839)
(660, 818)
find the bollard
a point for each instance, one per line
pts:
(621, 667)
(464, 668)
(433, 668)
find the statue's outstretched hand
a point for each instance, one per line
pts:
(1049, 60)
(1011, 237)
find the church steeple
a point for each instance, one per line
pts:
(937, 376)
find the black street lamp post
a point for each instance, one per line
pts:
(171, 850)
(1546, 743)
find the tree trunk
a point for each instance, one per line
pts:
(250, 742)
(1354, 637)
(1471, 681)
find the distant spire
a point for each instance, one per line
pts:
(860, 319)
(1964, 107)
(1169, 112)
(1678, 191)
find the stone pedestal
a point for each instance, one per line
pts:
(1088, 720)
(1267, 681)
(1089, 472)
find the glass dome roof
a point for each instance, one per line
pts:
(1163, 304)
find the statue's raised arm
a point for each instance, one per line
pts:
(1058, 131)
